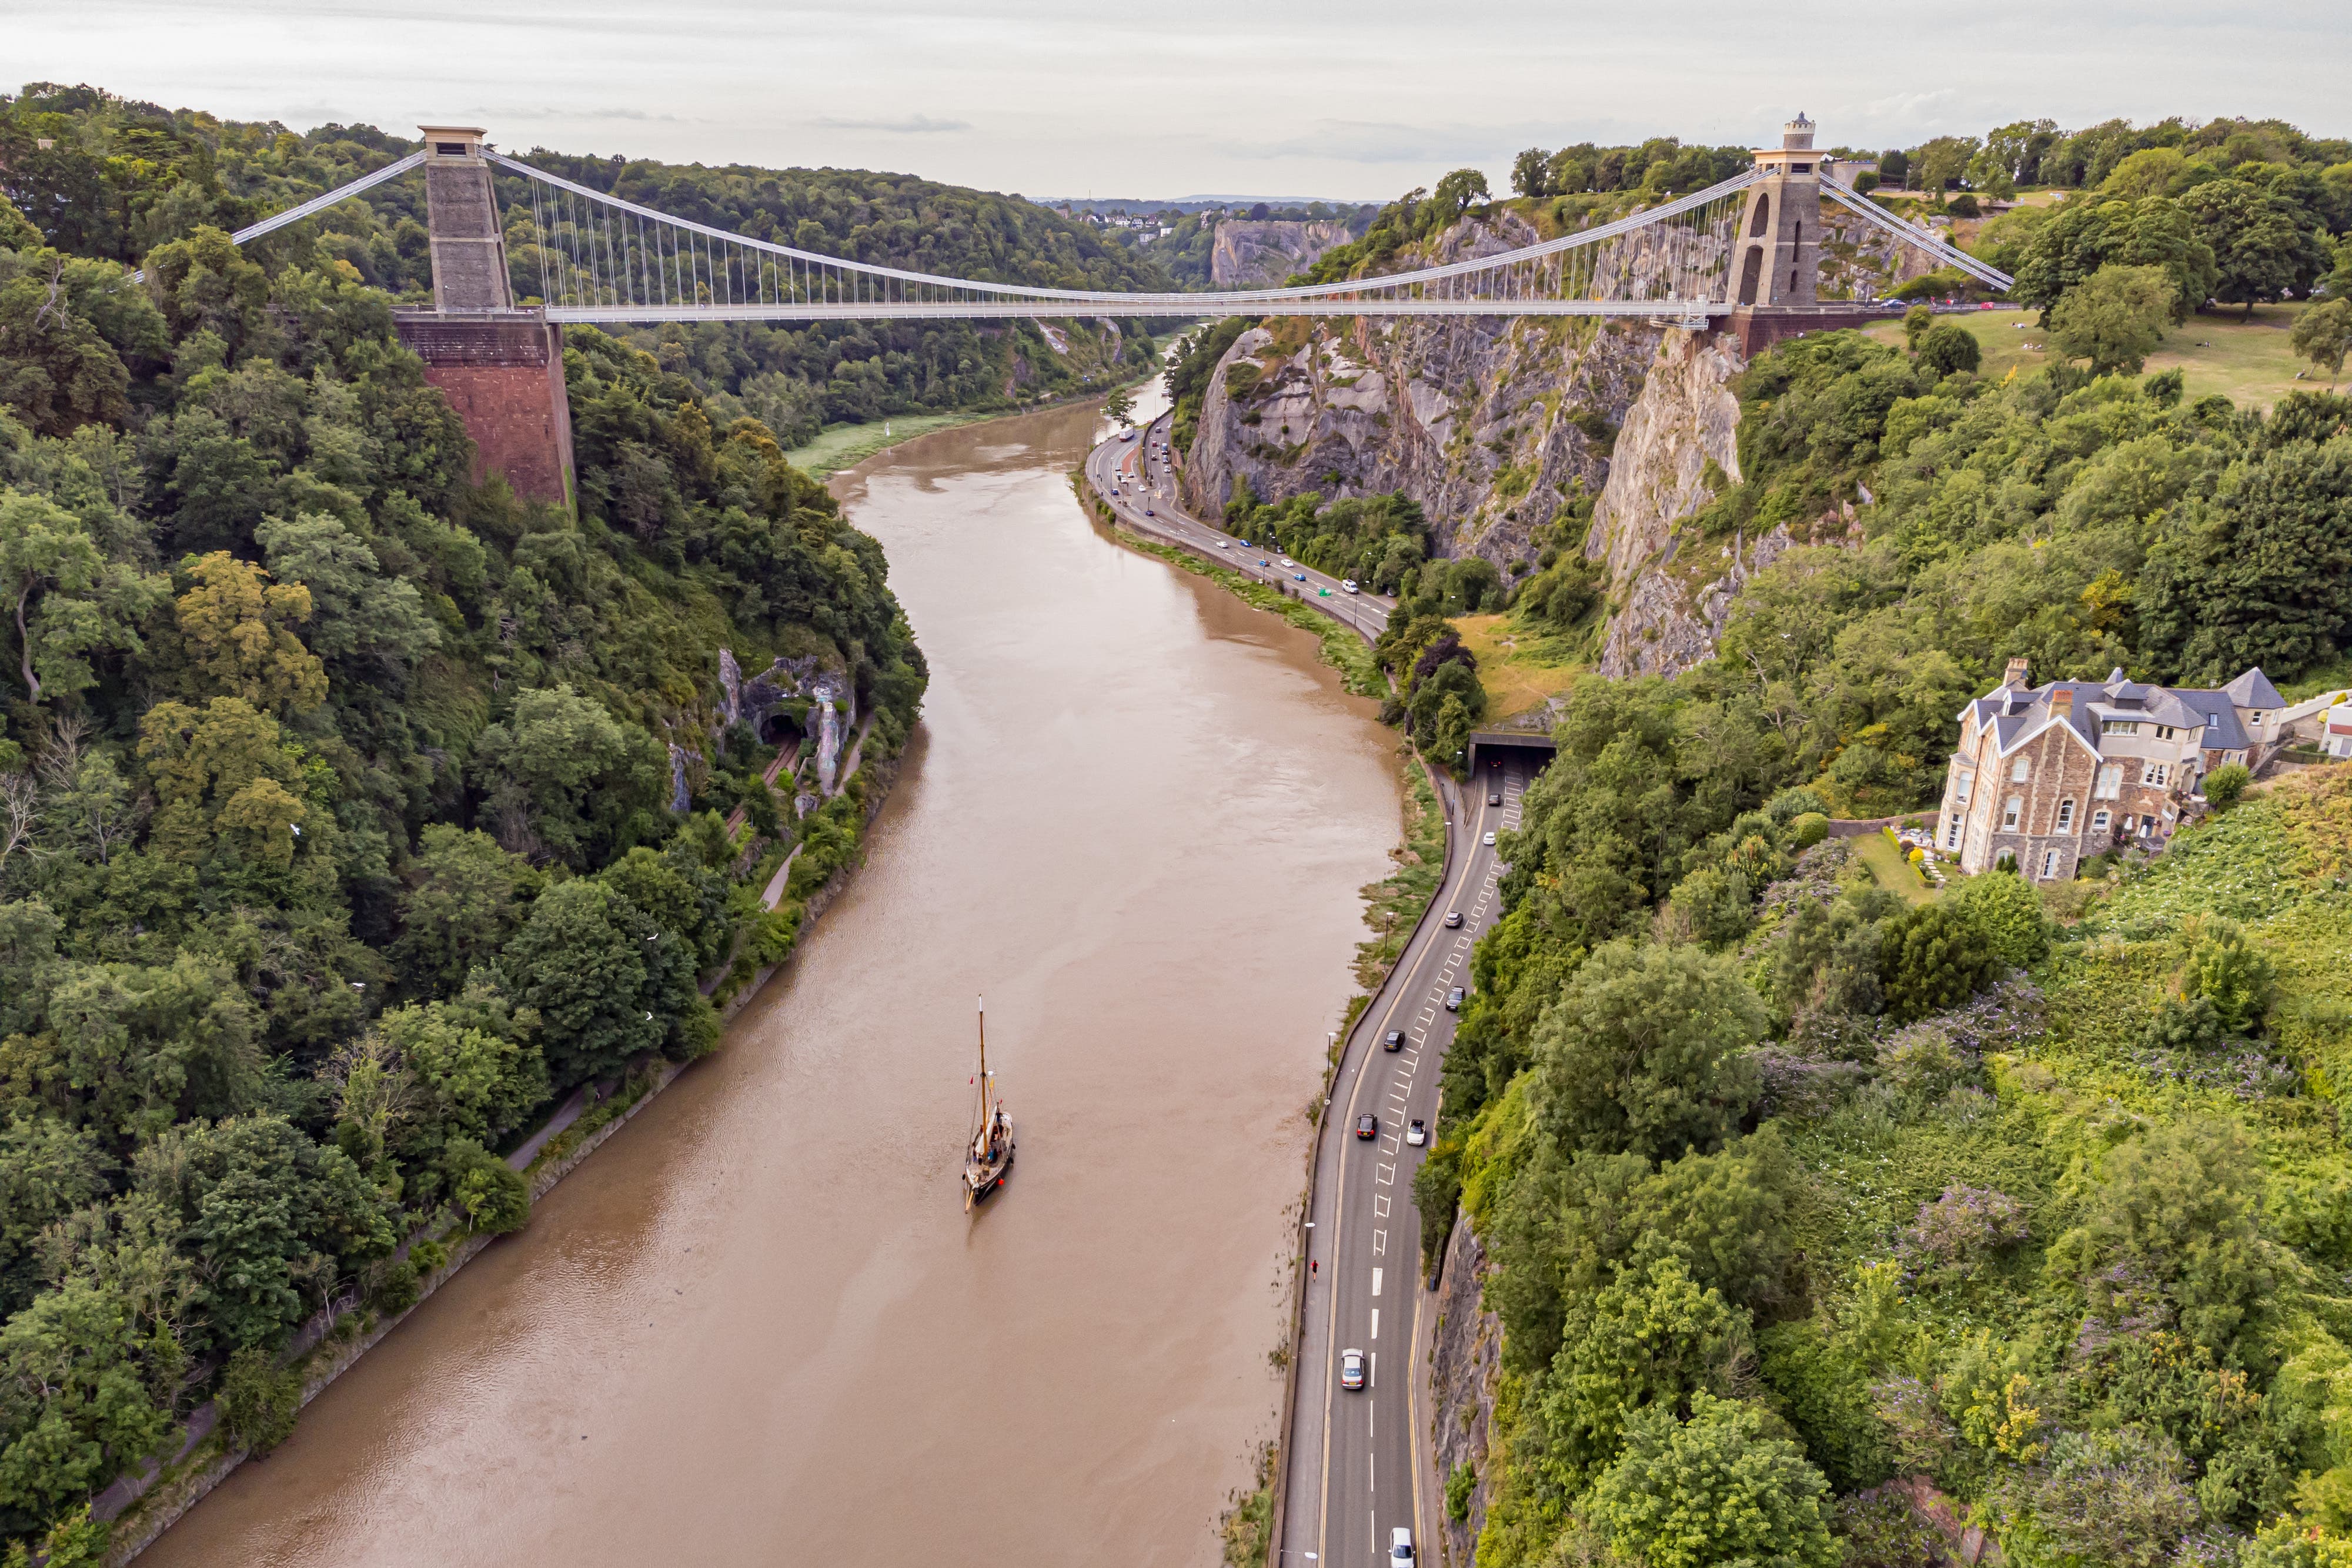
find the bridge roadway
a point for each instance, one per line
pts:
(1358, 1462)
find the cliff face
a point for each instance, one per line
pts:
(1247, 254)
(1491, 424)
(1465, 1357)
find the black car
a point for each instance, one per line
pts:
(1495, 798)
(1454, 1001)
(1392, 1040)
(1452, 918)
(1368, 1125)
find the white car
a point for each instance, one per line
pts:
(1346, 585)
(1224, 544)
(1417, 1134)
(1288, 562)
(1490, 838)
(1401, 1548)
(1351, 1369)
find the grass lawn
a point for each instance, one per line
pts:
(839, 446)
(1520, 671)
(1885, 858)
(2246, 360)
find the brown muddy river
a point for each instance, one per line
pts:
(757, 1326)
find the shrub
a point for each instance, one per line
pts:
(1881, 1530)
(258, 1401)
(1808, 829)
(2116, 1498)
(1934, 957)
(2008, 909)
(1648, 1051)
(397, 1291)
(1949, 350)
(1459, 1484)
(2231, 973)
(1962, 1229)
(1643, 1343)
(1713, 1490)
(2226, 783)
(494, 1196)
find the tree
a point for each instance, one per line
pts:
(1949, 350)
(360, 612)
(238, 628)
(57, 372)
(1917, 322)
(2258, 249)
(2252, 580)
(1531, 174)
(1648, 1051)
(2114, 318)
(1934, 957)
(2170, 1230)
(68, 601)
(1647, 1340)
(2086, 235)
(465, 899)
(258, 1401)
(1455, 194)
(1717, 1489)
(224, 779)
(1120, 407)
(2323, 334)
(599, 972)
(494, 1196)
(2005, 907)
(148, 1045)
(550, 757)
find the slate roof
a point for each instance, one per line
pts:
(2253, 689)
(2222, 730)
(2010, 713)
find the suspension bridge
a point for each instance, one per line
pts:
(1743, 254)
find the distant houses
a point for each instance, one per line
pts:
(2046, 776)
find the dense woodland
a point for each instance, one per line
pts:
(1825, 1220)
(119, 177)
(337, 830)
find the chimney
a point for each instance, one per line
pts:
(2015, 676)
(2062, 703)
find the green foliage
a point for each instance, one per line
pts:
(1948, 349)
(2226, 783)
(1936, 956)
(2114, 318)
(337, 844)
(2323, 334)
(258, 1401)
(1646, 1052)
(1717, 1489)
(2008, 909)
(1644, 1341)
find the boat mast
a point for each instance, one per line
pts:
(984, 1098)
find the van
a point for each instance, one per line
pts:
(1348, 585)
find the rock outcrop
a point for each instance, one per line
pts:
(1493, 424)
(1465, 1357)
(1251, 253)
(815, 698)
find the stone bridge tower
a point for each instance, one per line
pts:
(501, 367)
(1776, 260)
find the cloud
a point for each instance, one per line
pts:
(1374, 141)
(906, 125)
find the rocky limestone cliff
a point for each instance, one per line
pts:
(1465, 1357)
(1247, 253)
(1492, 424)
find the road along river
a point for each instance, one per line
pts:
(757, 1326)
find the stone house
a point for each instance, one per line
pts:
(2045, 776)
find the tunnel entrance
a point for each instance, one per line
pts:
(779, 730)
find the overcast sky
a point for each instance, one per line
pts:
(1358, 100)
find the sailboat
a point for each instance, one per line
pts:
(988, 1158)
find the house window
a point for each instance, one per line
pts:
(2066, 816)
(2111, 781)
(2049, 864)
(1952, 833)
(2164, 732)
(2009, 812)
(2155, 773)
(2119, 726)
(2019, 769)
(2254, 719)
(2099, 821)
(1960, 788)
